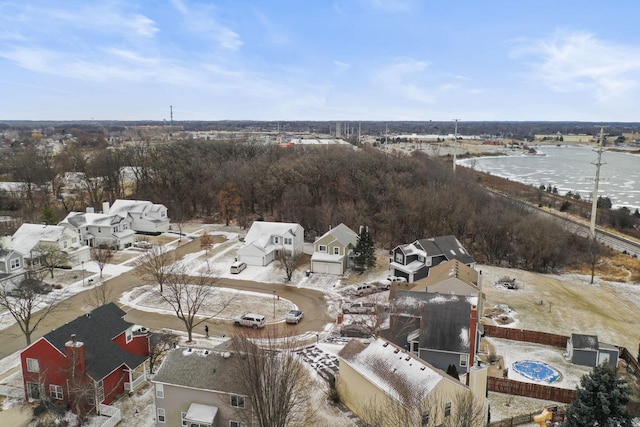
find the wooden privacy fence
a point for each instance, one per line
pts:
(526, 335)
(514, 421)
(539, 391)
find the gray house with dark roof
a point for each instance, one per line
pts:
(441, 329)
(588, 351)
(413, 261)
(199, 387)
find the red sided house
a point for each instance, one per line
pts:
(87, 362)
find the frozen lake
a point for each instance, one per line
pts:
(570, 169)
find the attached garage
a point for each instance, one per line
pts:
(326, 267)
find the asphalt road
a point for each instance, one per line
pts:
(310, 301)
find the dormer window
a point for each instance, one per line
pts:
(128, 335)
(399, 258)
(276, 239)
(336, 250)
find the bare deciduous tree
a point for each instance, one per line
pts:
(27, 304)
(99, 295)
(273, 378)
(50, 255)
(154, 265)
(159, 344)
(288, 262)
(102, 256)
(193, 299)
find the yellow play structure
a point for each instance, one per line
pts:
(551, 414)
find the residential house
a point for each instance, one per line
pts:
(29, 237)
(588, 351)
(11, 262)
(414, 260)
(333, 251)
(196, 387)
(453, 278)
(100, 229)
(381, 383)
(441, 329)
(266, 240)
(96, 358)
(146, 217)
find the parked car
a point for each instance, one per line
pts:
(397, 279)
(143, 244)
(238, 267)
(385, 284)
(252, 320)
(294, 316)
(359, 308)
(364, 289)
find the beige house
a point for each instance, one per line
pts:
(452, 277)
(387, 386)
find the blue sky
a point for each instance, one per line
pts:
(320, 60)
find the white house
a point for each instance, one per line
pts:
(26, 239)
(98, 229)
(265, 241)
(145, 216)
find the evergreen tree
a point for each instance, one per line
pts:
(453, 371)
(365, 250)
(601, 400)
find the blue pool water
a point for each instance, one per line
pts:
(537, 371)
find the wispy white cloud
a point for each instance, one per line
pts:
(579, 61)
(404, 78)
(201, 19)
(341, 66)
(273, 33)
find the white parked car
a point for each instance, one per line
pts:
(294, 316)
(251, 320)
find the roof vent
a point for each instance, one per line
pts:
(396, 351)
(422, 369)
(206, 352)
(385, 344)
(226, 355)
(189, 350)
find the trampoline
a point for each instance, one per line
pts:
(536, 371)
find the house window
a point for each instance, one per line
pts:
(160, 391)
(237, 424)
(447, 409)
(428, 262)
(74, 240)
(55, 391)
(425, 418)
(15, 263)
(33, 365)
(399, 258)
(183, 415)
(276, 239)
(237, 401)
(115, 229)
(65, 244)
(322, 248)
(161, 417)
(86, 229)
(288, 240)
(463, 359)
(128, 335)
(420, 258)
(99, 230)
(336, 250)
(33, 390)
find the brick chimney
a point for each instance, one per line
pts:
(76, 354)
(473, 334)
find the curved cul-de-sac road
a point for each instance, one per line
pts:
(311, 301)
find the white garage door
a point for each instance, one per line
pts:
(327, 267)
(251, 260)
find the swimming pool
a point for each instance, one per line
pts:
(537, 371)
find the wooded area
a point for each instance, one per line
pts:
(400, 198)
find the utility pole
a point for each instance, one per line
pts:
(455, 144)
(594, 196)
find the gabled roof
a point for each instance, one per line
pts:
(83, 219)
(448, 246)
(447, 270)
(28, 236)
(444, 323)
(201, 369)
(5, 254)
(96, 330)
(391, 369)
(260, 232)
(122, 207)
(343, 234)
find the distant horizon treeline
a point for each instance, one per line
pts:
(400, 199)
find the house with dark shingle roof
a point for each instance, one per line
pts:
(95, 358)
(441, 329)
(199, 387)
(333, 251)
(414, 260)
